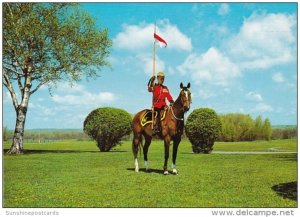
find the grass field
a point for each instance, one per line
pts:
(76, 174)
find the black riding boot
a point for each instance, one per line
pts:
(155, 129)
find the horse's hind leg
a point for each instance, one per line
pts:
(135, 149)
(145, 150)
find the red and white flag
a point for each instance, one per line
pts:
(160, 40)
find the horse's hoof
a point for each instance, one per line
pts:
(136, 170)
(175, 172)
(166, 172)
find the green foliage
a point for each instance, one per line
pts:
(202, 128)
(6, 134)
(107, 126)
(52, 42)
(258, 128)
(236, 127)
(241, 127)
(267, 129)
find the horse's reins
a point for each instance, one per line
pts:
(179, 119)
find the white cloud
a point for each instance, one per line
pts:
(262, 108)
(85, 98)
(146, 63)
(218, 30)
(263, 41)
(139, 37)
(77, 95)
(254, 96)
(41, 110)
(278, 78)
(6, 97)
(212, 67)
(134, 37)
(67, 88)
(206, 94)
(224, 9)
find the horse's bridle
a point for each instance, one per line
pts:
(172, 111)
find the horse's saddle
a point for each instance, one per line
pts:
(147, 117)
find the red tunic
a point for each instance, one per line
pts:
(160, 93)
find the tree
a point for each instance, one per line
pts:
(258, 128)
(236, 127)
(44, 43)
(202, 127)
(107, 126)
(267, 129)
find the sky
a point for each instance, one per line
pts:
(238, 57)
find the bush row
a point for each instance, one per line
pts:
(107, 126)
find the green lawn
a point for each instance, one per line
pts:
(76, 174)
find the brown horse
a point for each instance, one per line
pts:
(171, 129)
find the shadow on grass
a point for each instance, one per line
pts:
(28, 151)
(161, 172)
(287, 190)
(288, 157)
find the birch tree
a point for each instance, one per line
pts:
(44, 43)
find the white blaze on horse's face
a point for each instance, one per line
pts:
(186, 99)
(185, 96)
(187, 92)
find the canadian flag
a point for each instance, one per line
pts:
(160, 40)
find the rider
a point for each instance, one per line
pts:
(160, 93)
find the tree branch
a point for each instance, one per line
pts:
(38, 86)
(18, 77)
(10, 88)
(15, 53)
(20, 85)
(14, 71)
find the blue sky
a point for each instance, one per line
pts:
(238, 57)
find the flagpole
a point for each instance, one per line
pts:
(153, 74)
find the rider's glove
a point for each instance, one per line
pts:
(150, 83)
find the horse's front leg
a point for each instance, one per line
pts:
(167, 146)
(145, 151)
(176, 142)
(135, 148)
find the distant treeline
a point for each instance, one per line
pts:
(288, 132)
(235, 127)
(42, 136)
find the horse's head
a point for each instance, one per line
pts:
(185, 96)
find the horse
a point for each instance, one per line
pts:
(171, 129)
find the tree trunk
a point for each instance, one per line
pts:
(21, 111)
(17, 144)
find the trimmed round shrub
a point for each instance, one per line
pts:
(202, 128)
(107, 126)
